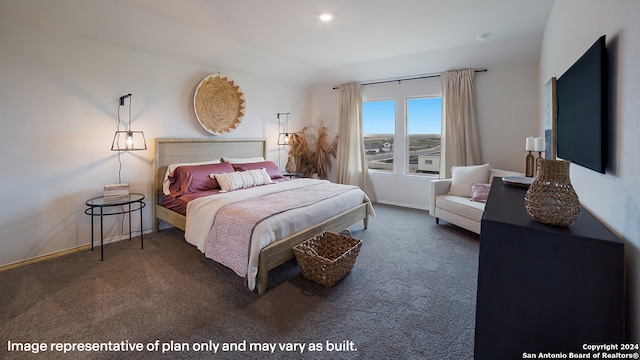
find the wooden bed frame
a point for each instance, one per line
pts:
(183, 150)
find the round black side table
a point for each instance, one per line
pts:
(108, 207)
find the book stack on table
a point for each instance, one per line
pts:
(116, 192)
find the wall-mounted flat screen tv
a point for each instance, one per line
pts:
(581, 117)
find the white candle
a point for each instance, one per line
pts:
(530, 144)
(539, 144)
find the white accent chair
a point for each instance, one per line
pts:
(456, 207)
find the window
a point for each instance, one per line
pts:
(379, 124)
(424, 125)
(419, 151)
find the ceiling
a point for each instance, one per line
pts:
(285, 40)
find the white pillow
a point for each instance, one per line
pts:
(172, 167)
(463, 177)
(243, 160)
(242, 179)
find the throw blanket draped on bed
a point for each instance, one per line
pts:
(201, 213)
(229, 240)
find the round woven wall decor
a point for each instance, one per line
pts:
(219, 104)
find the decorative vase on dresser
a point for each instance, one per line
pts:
(551, 198)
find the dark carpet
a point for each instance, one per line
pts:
(410, 295)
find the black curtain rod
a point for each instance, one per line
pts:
(405, 79)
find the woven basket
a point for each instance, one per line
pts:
(551, 198)
(327, 257)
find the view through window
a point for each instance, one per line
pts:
(424, 124)
(379, 127)
(423, 129)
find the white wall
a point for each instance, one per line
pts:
(58, 105)
(507, 107)
(614, 197)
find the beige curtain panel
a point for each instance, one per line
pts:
(460, 140)
(353, 169)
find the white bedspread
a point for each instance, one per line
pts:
(201, 213)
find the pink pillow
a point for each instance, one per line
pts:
(271, 168)
(190, 179)
(480, 192)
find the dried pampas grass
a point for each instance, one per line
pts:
(319, 161)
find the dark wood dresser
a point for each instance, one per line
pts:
(544, 288)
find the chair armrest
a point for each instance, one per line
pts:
(502, 173)
(437, 187)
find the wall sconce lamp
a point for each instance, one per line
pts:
(128, 140)
(284, 138)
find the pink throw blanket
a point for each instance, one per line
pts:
(229, 240)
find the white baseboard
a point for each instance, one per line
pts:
(411, 206)
(72, 250)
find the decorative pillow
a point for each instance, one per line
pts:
(480, 192)
(172, 167)
(270, 166)
(242, 160)
(190, 179)
(463, 176)
(242, 179)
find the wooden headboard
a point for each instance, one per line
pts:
(184, 150)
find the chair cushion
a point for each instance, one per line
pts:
(461, 205)
(463, 176)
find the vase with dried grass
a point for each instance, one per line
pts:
(308, 162)
(551, 198)
(290, 167)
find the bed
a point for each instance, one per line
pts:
(168, 151)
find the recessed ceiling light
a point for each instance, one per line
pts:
(326, 17)
(483, 37)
